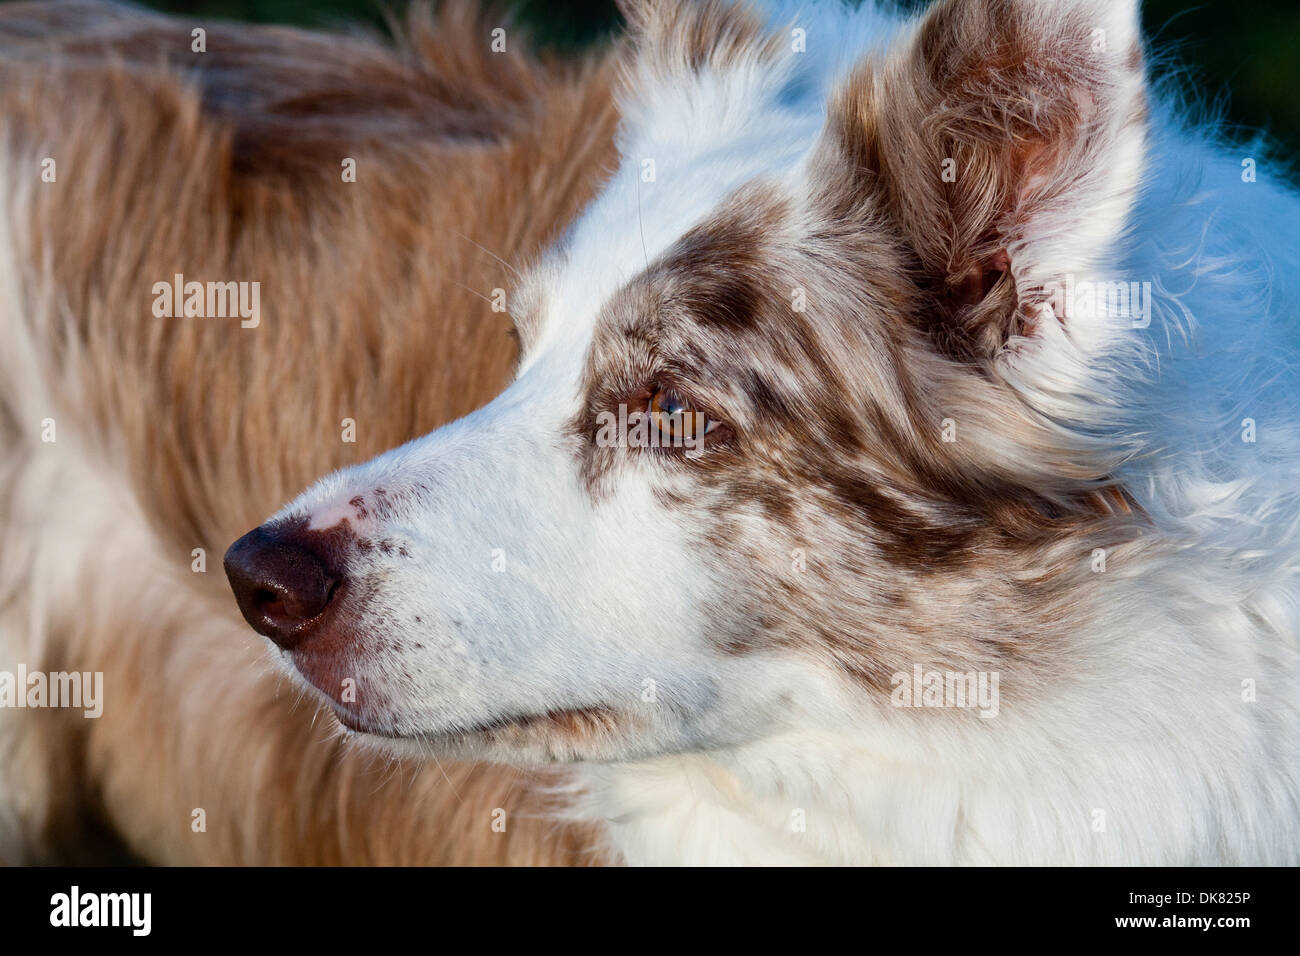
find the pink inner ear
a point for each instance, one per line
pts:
(982, 277)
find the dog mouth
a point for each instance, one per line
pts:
(568, 727)
(574, 724)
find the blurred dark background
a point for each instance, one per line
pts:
(1242, 53)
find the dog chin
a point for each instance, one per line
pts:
(556, 736)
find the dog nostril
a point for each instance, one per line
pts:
(268, 603)
(281, 585)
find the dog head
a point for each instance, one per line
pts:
(796, 406)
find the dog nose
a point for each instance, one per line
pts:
(282, 586)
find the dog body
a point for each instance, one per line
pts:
(228, 165)
(969, 366)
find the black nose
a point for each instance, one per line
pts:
(282, 585)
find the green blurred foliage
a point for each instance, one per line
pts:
(1241, 55)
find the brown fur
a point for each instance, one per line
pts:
(226, 166)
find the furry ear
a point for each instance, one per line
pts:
(1008, 139)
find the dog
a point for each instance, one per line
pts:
(898, 466)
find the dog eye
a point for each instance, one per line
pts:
(675, 417)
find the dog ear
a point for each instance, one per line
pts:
(1007, 140)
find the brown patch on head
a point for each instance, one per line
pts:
(854, 530)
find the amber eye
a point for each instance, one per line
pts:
(674, 416)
